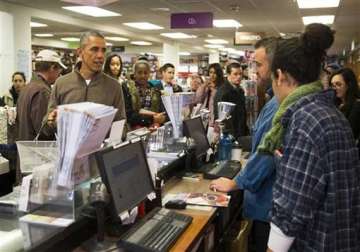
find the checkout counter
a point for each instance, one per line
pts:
(209, 229)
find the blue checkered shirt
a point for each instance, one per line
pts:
(316, 196)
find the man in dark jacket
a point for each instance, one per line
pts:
(231, 91)
(34, 98)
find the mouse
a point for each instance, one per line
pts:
(175, 204)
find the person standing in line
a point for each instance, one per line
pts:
(258, 176)
(145, 99)
(231, 91)
(34, 98)
(348, 97)
(18, 83)
(168, 74)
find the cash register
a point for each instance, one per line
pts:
(195, 129)
(125, 173)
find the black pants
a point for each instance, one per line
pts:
(259, 236)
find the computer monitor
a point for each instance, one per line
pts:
(126, 174)
(194, 128)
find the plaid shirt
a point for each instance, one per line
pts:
(316, 196)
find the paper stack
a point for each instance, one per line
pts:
(174, 104)
(82, 127)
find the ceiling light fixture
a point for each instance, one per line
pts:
(36, 24)
(184, 53)
(327, 19)
(119, 39)
(91, 11)
(44, 35)
(109, 44)
(216, 41)
(214, 46)
(226, 23)
(144, 26)
(70, 39)
(141, 43)
(177, 35)
(312, 4)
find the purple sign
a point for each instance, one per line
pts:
(192, 20)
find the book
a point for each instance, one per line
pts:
(202, 199)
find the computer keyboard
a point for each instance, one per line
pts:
(228, 169)
(157, 231)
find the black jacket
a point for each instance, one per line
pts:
(237, 123)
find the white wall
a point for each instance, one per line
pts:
(7, 59)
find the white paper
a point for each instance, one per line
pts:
(116, 131)
(25, 193)
(82, 128)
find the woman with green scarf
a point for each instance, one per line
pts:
(316, 195)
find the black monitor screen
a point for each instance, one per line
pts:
(194, 128)
(125, 172)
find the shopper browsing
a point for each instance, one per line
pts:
(258, 176)
(316, 195)
(87, 82)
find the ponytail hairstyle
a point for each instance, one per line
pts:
(302, 57)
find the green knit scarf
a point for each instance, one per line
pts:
(273, 139)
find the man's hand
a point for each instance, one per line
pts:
(223, 185)
(159, 118)
(51, 120)
(269, 250)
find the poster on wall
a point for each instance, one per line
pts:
(23, 62)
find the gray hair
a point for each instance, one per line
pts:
(269, 44)
(140, 62)
(86, 35)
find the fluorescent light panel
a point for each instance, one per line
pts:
(327, 19)
(184, 53)
(177, 35)
(144, 26)
(313, 4)
(109, 44)
(140, 43)
(92, 11)
(36, 24)
(70, 39)
(214, 46)
(226, 23)
(120, 39)
(44, 35)
(216, 41)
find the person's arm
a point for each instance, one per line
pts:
(38, 110)
(299, 186)
(49, 119)
(119, 103)
(257, 170)
(354, 119)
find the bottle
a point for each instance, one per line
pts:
(225, 146)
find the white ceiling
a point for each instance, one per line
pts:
(269, 16)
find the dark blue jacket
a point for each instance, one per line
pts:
(258, 176)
